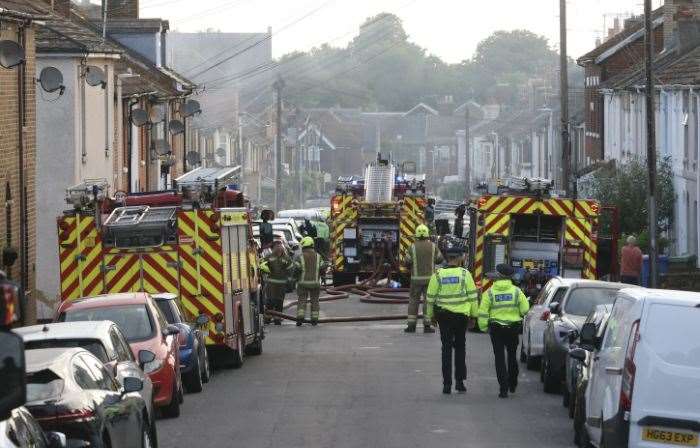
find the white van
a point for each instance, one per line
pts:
(644, 389)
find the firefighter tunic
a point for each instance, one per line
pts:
(424, 257)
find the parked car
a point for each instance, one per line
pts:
(536, 319)
(643, 388)
(194, 360)
(584, 356)
(299, 216)
(103, 339)
(153, 341)
(574, 367)
(71, 391)
(566, 317)
(288, 226)
(21, 430)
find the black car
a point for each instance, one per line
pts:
(583, 356)
(194, 360)
(71, 391)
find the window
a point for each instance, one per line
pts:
(123, 350)
(615, 335)
(166, 308)
(544, 293)
(133, 320)
(102, 377)
(162, 321)
(94, 346)
(559, 295)
(43, 384)
(673, 334)
(582, 301)
(82, 375)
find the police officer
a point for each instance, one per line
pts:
(452, 301)
(502, 310)
(309, 264)
(276, 266)
(423, 258)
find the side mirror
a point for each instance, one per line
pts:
(554, 307)
(202, 320)
(146, 356)
(171, 330)
(588, 334)
(578, 354)
(56, 440)
(13, 387)
(132, 384)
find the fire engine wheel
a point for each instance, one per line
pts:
(172, 410)
(238, 353)
(256, 348)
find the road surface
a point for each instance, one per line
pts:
(363, 385)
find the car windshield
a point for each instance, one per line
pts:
(94, 346)
(43, 384)
(134, 320)
(582, 300)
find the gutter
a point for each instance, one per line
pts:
(22, 15)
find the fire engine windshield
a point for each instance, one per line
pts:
(133, 320)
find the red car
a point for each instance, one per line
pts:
(153, 341)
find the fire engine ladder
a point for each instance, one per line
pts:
(127, 216)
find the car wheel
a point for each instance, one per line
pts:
(550, 383)
(565, 397)
(193, 378)
(206, 366)
(146, 436)
(172, 410)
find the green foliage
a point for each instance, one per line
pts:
(381, 69)
(626, 187)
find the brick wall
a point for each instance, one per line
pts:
(9, 153)
(128, 9)
(676, 11)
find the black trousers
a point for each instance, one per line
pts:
(453, 334)
(505, 341)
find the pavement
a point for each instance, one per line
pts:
(364, 385)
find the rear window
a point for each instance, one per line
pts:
(582, 301)
(167, 310)
(673, 333)
(133, 320)
(94, 346)
(43, 384)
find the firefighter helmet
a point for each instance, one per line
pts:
(422, 231)
(307, 241)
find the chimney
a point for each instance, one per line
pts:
(123, 9)
(61, 7)
(681, 24)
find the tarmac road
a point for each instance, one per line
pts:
(363, 385)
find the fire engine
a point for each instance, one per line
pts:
(373, 220)
(194, 241)
(524, 223)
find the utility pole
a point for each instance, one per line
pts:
(564, 98)
(651, 140)
(467, 162)
(104, 19)
(278, 86)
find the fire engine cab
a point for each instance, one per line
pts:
(194, 241)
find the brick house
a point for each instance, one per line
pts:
(18, 145)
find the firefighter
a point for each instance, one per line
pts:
(424, 256)
(502, 310)
(309, 266)
(452, 301)
(276, 266)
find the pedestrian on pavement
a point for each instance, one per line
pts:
(452, 301)
(309, 265)
(423, 257)
(502, 310)
(631, 262)
(276, 265)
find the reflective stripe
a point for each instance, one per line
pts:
(276, 281)
(504, 305)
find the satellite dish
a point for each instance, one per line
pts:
(193, 158)
(51, 80)
(94, 76)
(176, 127)
(139, 117)
(157, 113)
(191, 107)
(221, 152)
(162, 147)
(11, 54)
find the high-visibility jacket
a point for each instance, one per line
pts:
(423, 257)
(503, 304)
(322, 230)
(276, 268)
(452, 289)
(309, 263)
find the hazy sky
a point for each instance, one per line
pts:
(450, 29)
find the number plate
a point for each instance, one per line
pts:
(669, 437)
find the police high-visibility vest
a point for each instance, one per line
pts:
(503, 304)
(310, 263)
(452, 289)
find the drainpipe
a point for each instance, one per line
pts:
(21, 121)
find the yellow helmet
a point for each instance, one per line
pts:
(307, 241)
(422, 231)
